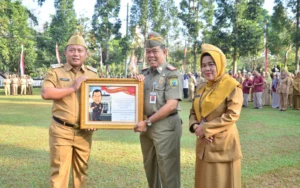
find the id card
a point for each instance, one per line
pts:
(152, 99)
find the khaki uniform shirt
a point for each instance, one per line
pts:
(166, 82)
(15, 80)
(23, 81)
(6, 82)
(192, 82)
(67, 108)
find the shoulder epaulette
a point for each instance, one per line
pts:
(53, 66)
(143, 70)
(170, 67)
(91, 68)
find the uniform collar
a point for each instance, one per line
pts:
(68, 67)
(159, 69)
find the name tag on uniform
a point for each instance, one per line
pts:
(64, 79)
(152, 99)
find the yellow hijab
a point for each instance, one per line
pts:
(214, 92)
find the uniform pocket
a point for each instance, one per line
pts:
(222, 141)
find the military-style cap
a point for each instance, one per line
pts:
(77, 39)
(154, 39)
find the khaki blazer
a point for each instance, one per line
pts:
(221, 125)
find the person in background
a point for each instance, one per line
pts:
(258, 88)
(247, 85)
(240, 77)
(296, 92)
(283, 90)
(29, 82)
(185, 86)
(216, 108)
(275, 95)
(200, 79)
(69, 146)
(23, 85)
(192, 83)
(290, 96)
(15, 81)
(7, 83)
(266, 95)
(161, 130)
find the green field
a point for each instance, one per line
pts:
(270, 142)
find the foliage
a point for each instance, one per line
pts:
(14, 31)
(238, 28)
(196, 17)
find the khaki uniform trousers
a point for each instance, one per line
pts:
(191, 92)
(283, 101)
(7, 89)
(15, 89)
(161, 152)
(23, 89)
(68, 146)
(29, 89)
(290, 100)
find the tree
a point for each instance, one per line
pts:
(106, 25)
(152, 15)
(196, 15)
(280, 39)
(14, 30)
(238, 28)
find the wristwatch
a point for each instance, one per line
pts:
(148, 122)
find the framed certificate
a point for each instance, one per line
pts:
(111, 103)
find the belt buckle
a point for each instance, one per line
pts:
(76, 126)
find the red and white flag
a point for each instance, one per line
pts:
(22, 61)
(57, 54)
(101, 64)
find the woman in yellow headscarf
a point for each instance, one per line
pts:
(296, 92)
(216, 108)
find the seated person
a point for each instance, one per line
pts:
(96, 105)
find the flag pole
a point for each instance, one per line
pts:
(22, 60)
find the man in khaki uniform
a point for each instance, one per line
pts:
(14, 82)
(161, 131)
(69, 146)
(6, 83)
(29, 82)
(23, 85)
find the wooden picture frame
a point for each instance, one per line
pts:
(118, 104)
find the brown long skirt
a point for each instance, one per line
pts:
(218, 175)
(296, 102)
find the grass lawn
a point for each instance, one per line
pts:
(270, 142)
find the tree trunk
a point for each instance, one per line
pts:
(286, 56)
(195, 57)
(234, 64)
(297, 34)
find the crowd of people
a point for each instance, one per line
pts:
(279, 89)
(14, 85)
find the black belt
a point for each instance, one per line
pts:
(173, 114)
(63, 123)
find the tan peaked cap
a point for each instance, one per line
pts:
(77, 39)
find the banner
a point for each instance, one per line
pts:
(22, 61)
(57, 54)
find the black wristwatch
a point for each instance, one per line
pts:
(148, 122)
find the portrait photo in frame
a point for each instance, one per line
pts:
(111, 103)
